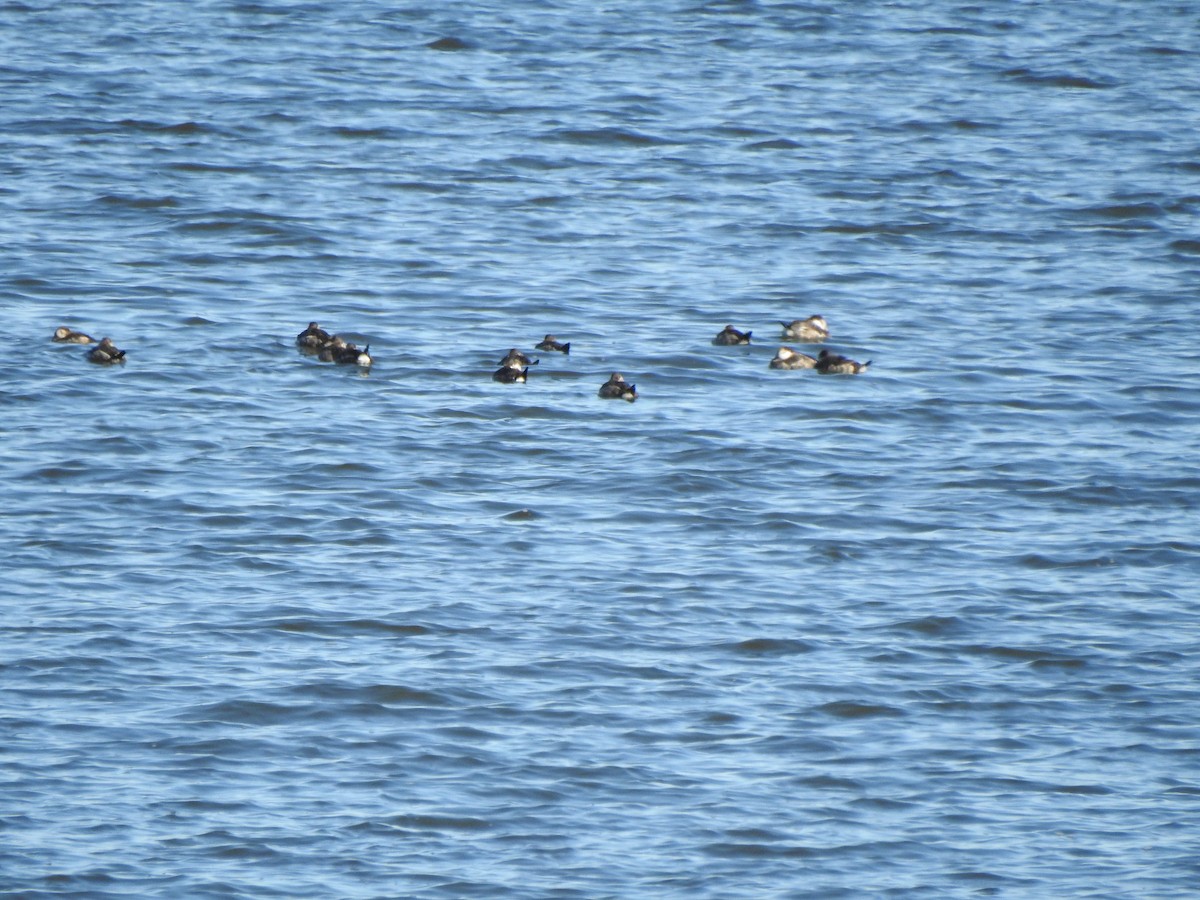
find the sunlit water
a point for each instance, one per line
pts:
(281, 628)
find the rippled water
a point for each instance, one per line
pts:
(280, 628)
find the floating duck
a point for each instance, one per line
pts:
(617, 388)
(351, 355)
(313, 336)
(513, 374)
(106, 352)
(550, 342)
(835, 364)
(333, 348)
(515, 357)
(730, 337)
(64, 335)
(787, 358)
(813, 330)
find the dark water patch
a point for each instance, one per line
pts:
(849, 709)
(1042, 561)
(1124, 211)
(249, 712)
(138, 202)
(832, 783)
(770, 647)
(1035, 657)
(372, 134)
(216, 168)
(1186, 245)
(609, 137)
(775, 144)
(449, 44)
(742, 850)
(882, 804)
(1023, 75)
(347, 627)
(882, 228)
(931, 625)
(181, 128)
(380, 695)
(1089, 790)
(1166, 50)
(418, 823)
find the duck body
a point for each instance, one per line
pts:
(551, 343)
(731, 337)
(812, 330)
(617, 388)
(787, 358)
(64, 335)
(106, 353)
(836, 364)
(350, 355)
(332, 349)
(516, 374)
(313, 336)
(515, 357)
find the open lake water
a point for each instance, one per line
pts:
(280, 628)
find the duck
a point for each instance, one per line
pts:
(730, 337)
(617, 388)
(550, 342)
(351, 355)
(814, 329)
(106, 352)
(836, 364)
(64, 335)
(517, 358)
(787, 358)
(511, 374)
(313, 336)
(333, 348)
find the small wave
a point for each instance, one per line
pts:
(347, 627)
(609, 136)
(742, 850)
(848, 709)
(770, 647)
(429, 822)
(1028, 76)
(348, 132)
(159, 127)
(1125, 211)
(778, 144)
(449, 44)
(931, 625)
(886, 228)
(1035, 657)
(138, 202)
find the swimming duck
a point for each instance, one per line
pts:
(350, 355)
(64, 335)
(730, 336)
(814, 329)
(617, 388)
(313, 336)
(106, 352)
(550, 342)
(333, 348)
(835, 364)
(787, 358)
(512, 374)
(515, 357)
